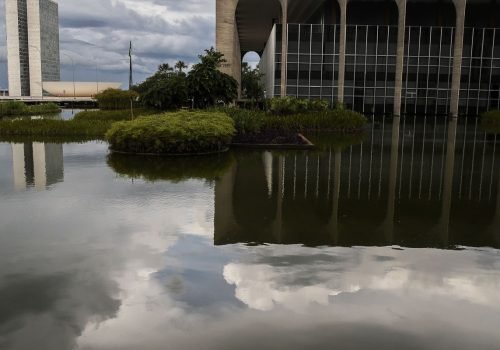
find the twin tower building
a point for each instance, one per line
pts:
(32, 45)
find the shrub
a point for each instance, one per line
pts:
(17, 108)
(490, 121)
(248, 122)
(291, 105)
(166, 89)
(207, 84)
(112, 115)
(176, 169)
(115, 99)
(173, 133)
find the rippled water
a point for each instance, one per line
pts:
(391, 243)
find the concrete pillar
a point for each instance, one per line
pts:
(460, 6)
(35, 48)
(334, 219)
(227, 39)
(393, 181)
(278, 222)
(444, 225)
(225, 222)
(284, 46)
(342, 49)
(13, 46)
(398, 84)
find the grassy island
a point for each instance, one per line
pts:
(148, 131)
(173, 133)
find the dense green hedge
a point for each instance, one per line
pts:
(174, 169)
(490, 121)
(173, 133)
(53, 128)
(341, 120)
(292, 105)
(112, 115)
(115, 99)
(17, 108)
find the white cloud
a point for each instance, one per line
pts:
(96, 35)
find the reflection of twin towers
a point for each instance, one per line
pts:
(427, 184)
(37, 164)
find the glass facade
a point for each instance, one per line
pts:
(49, 32)
(370, 70)
(24, 57)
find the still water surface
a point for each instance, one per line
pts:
(391, 243)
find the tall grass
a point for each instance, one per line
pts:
(339, 120)
(54, 128)
(17, 108)
(112, 115)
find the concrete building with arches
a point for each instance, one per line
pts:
(385, 57)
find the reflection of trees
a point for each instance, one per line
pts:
(170, 168)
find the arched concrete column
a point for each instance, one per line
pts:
(284, 46)
(334, 219)
(342, 49)
(460, 6)
(444, 225)
(398, 84)
(227, 39)
(393, 181)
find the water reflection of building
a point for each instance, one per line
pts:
(413, 184)
(37, 164)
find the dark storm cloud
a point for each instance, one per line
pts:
(95, 34)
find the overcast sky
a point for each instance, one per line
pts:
(96, 34)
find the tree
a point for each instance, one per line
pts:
(166, 89)
(180, 65)
(165, 68)
(251, 83)
(209, 86)
(115, 98)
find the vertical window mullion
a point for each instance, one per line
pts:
(428, 71)
(364, 76)
(491, 68)
(310, 58)
(418, 68)
(407, 70)
(386, 68)
(376, 70)
(355, 67)
(298, 62)
(322, 59)
(478, 103)
(438, 79)
(450, 65)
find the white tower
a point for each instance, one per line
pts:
(32, 45)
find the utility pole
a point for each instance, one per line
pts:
(130, 82)
(130, 79)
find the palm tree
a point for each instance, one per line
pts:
(180, 65)
(165, 68)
